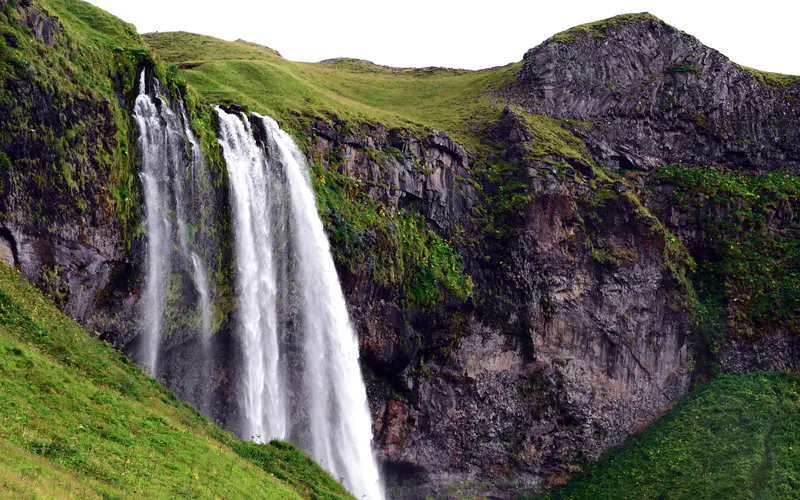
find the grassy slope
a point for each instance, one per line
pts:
(736, 437)
(358, 92)
(78, 419)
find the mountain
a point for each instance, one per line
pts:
(539, 259)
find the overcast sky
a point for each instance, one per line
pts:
(463, 34)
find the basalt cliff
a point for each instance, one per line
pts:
(599, 228)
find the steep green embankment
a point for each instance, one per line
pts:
(735, 437)
(79, 420)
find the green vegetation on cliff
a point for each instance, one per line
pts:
(750, 275)
(779, 80)
(732, 438)
(65, 145)
(395, 250)
(79, 420)
(597, 29)
(68, 148)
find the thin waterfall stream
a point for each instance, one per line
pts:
(171, 164)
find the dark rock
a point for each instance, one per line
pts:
(654, 96)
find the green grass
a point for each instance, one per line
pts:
(598, 29)
(737, 437)
(774, 79)
(356, 92)
(77, 419)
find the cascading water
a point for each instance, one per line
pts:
(200, 279)
(301, 379)
(275, 209)
(263, 404)
(201, 282)
(171, 156)
(154, 143)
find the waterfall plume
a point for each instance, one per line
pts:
(275, 209)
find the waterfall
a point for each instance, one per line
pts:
(256, 279)
(171, 157)
(200, 279)
(154, 142)
(300, 378)
(201, 282)
(275, 210)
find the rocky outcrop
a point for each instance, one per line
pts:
(43, 26)
(716, 226)
(651, 95)
(424, 175)
(56, 215)
(598, 353)
(578, 333)
(563, 352)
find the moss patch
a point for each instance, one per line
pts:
(753, 273)
(598, 29)
(395, 250)
(731, 438)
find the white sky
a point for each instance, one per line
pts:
(413, 33)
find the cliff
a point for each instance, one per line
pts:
(657, 96)
(539, 258)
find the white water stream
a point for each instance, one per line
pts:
(274, 208)
(167, 167)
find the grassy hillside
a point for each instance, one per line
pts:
(735, 437)
(454, 101)
(79, 420)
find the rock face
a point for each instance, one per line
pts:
(423, 175)
(571, 355)
(654, 96)
(56, 221)
(579, 332)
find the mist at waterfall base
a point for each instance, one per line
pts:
(299, 378)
